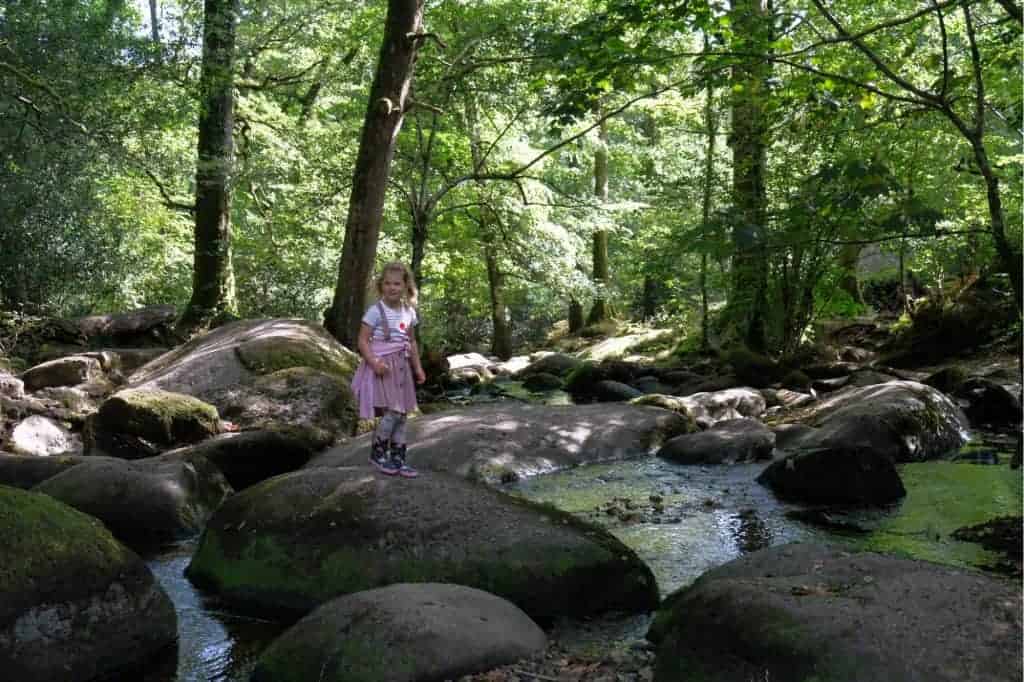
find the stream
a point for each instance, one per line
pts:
(681, 520)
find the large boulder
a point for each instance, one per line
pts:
(143, 502)
(504, 442)
(295, 541)
(28, 471)
(67, 371)
(139, 422)
(843, 474)
(11, 386)
(729, 441)
(278, 374)
(795, 613)
(251, 456)
(75, 604)
(429, 631)
(902, 420)
(988, 402)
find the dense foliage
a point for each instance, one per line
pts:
(874, 123)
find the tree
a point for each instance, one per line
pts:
(748, 298)
(599, 311)
(385, 112)
(213, 282)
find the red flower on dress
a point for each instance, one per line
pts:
(401, 325)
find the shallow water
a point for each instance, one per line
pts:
(681, 520)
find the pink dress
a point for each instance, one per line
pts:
(396, 390)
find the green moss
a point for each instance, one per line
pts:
(270, 354)
(943, 496)
(160, 416)
(39, 532)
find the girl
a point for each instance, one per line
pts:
(383, 382)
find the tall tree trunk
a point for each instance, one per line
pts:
(711, 127)
(420, 230)
(384, 114)
(599, 312)
(1009, 258)
(748, 298)
(213, 282)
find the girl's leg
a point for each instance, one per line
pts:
(380, 454)
(398, 449)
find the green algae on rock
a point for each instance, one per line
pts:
(297, 540)
(75, 604)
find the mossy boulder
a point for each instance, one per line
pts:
(506, 441)
(558, 364)
(947, 379)
(143, 502)
(283, 375)
(797, 613)
(796, 380)
(429, 631)
(157, 417)
(290, 543)
(75, 604)
(542, 381)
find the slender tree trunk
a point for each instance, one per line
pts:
(1009, 258)
(599, 312)
(384, 114)
(420, 230)
(748, 301)
(154, 21)
(849, 254)
(501, 340)
(711, 126)
(213, 282)
(576, 321)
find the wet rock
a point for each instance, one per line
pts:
(295, 541)
(843, 473)
(68, 371)
(797, 612)
(831, 370)
(504, 442)
(75, 604)
(729, 441)
(1002, 535)
(430, 631)
(144, 502)
(830, 385)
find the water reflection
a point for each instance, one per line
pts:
(214, 644)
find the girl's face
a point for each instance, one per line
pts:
(392, 287)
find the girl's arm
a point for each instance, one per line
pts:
(414, 359)
(375, 363)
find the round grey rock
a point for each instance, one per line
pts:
(426, 631)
